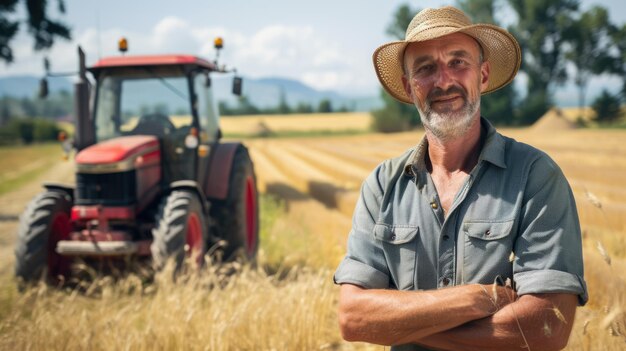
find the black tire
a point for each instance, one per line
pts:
(45, 221)
(181, 230)
(236, 219)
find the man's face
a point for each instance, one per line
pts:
(444, 78)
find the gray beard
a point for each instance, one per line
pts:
(449, 125)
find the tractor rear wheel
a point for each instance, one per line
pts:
(45, 222)
(236, 218)
(181, 231)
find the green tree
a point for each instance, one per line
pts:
(28, 107)
(245, 106)
(343, 109)
(588, 39)
(45, 130)
(224, 108)
(539, 30)
(617, 62)
(607, 107)
(395, 115)
(43, 29)
(5, 111)
(401, 19)
(498, 106)
(325, 106)
(304, 107)
(25, 128)
(283, 107)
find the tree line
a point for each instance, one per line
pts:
(553, 34)
(57, 105)
(30, 120)
(246, 107)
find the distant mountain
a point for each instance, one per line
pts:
(262, 92)
(266, 92)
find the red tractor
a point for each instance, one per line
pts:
(153, 180)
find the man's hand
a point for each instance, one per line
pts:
(391, 317)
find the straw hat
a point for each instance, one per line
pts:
(499, 47)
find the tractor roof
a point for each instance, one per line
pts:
(152, 60)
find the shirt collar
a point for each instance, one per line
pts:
(493, 151)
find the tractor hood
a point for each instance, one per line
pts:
(119, 155)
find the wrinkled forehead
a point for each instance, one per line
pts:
(450, 42)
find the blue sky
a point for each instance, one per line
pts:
(325, 44)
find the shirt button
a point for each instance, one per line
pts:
(446, 237)
(445, 281)
(488, 232)
(434, 205)
(393, 237)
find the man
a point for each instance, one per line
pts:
(437, 231)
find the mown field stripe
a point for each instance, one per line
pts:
(22, 164)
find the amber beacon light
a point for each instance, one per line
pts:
(122, 45)
(218, 42)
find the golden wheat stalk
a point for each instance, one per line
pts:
(611, 316)
(593, 199)
(605, 255)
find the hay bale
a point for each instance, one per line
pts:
(553, 120)
(262, 130)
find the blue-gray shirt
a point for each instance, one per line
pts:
(515, 217)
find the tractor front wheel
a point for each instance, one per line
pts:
(45, 222)
(181, 231)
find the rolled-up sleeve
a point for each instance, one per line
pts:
(365, 264)
(548, 250)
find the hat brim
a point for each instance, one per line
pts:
(499, 48)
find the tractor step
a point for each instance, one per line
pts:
(100, 248)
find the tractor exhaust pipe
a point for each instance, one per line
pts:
(85, 135)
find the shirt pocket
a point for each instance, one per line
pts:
(487, 249)
(399, 244)
(485, 230)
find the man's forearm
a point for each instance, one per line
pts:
(391, 317)
(535, 322)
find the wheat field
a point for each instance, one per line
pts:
(288, 301)
(311, 171)
(264, 125)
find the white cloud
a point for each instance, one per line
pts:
(286, 50)
(323, 80)
(296, 52)
(300, 53)
(173, 35)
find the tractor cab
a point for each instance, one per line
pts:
(166, 96)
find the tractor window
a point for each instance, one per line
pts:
(207, 113)
(133, 104)
(107, 121)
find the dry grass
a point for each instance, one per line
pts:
(230, 307)
(22, 164)
(248, 310)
